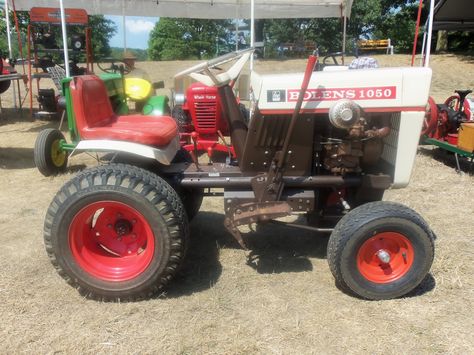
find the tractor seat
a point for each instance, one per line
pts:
(95, 118)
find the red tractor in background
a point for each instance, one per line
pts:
(202, 124)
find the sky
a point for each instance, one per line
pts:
(137, 29)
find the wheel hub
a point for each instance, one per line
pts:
(383, 256)
(123, 227)
(111, 240)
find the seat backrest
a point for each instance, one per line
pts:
(92, 107)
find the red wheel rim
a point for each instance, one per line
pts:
(452, 102)
(431, 117)
(385, 257)
(111, 241)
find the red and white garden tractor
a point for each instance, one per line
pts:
(323, 146)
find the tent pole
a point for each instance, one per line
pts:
(344, 37)
(417, 28)
(422, 59)
(252, 30)
(124, 28)
(18, 34)
(63, 30)
(9, 39)
(236, 35)
(430, 32)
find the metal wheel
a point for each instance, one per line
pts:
(380, 250)
(111, 240)
(431, 117)
(385, 257)
(452, 102)
(49, 157)
(116, 232)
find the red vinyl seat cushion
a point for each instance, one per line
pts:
(95, 118)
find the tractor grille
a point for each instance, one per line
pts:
(206, 114)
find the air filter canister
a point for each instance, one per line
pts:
(344, 114)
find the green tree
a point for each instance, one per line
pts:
(398, 23)
(102, 31)
(185, 38)
(327, 32)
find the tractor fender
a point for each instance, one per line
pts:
(164, 155)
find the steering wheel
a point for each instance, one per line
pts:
(333, 56)
(115, 66)
(202, 71)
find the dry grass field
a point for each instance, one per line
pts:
(285, 302)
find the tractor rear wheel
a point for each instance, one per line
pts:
(192, 200)
(380, 250)
(116, 232)
(190, 196)
(49, 158)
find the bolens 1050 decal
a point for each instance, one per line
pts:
(332, 94)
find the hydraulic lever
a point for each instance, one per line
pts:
(269, 186)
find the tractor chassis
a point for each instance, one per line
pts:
(240, 204)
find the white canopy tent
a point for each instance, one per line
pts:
(208, 9)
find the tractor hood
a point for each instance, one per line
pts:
(381, 89)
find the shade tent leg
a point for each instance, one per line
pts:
(252, 30)
(124, 28)
(64, 33)
(9, 39)
(430, 33)
(344, 37)
(417, 28)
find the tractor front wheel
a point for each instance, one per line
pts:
(380, 250)
(116, 232)
(49, 157)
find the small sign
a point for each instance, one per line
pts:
(276, 95)
(53, 15)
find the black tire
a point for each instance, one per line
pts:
(48, 157)
(191, 197)
(181, 117)
(192, 200)
(4, 85)
(364, 225)
(161, 219)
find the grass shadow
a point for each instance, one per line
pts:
(281, 249)
(469, 58)
(273, 249)
(447, 158)
(428, 284)
(16, 158)
(11, 115)
(201, 269)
